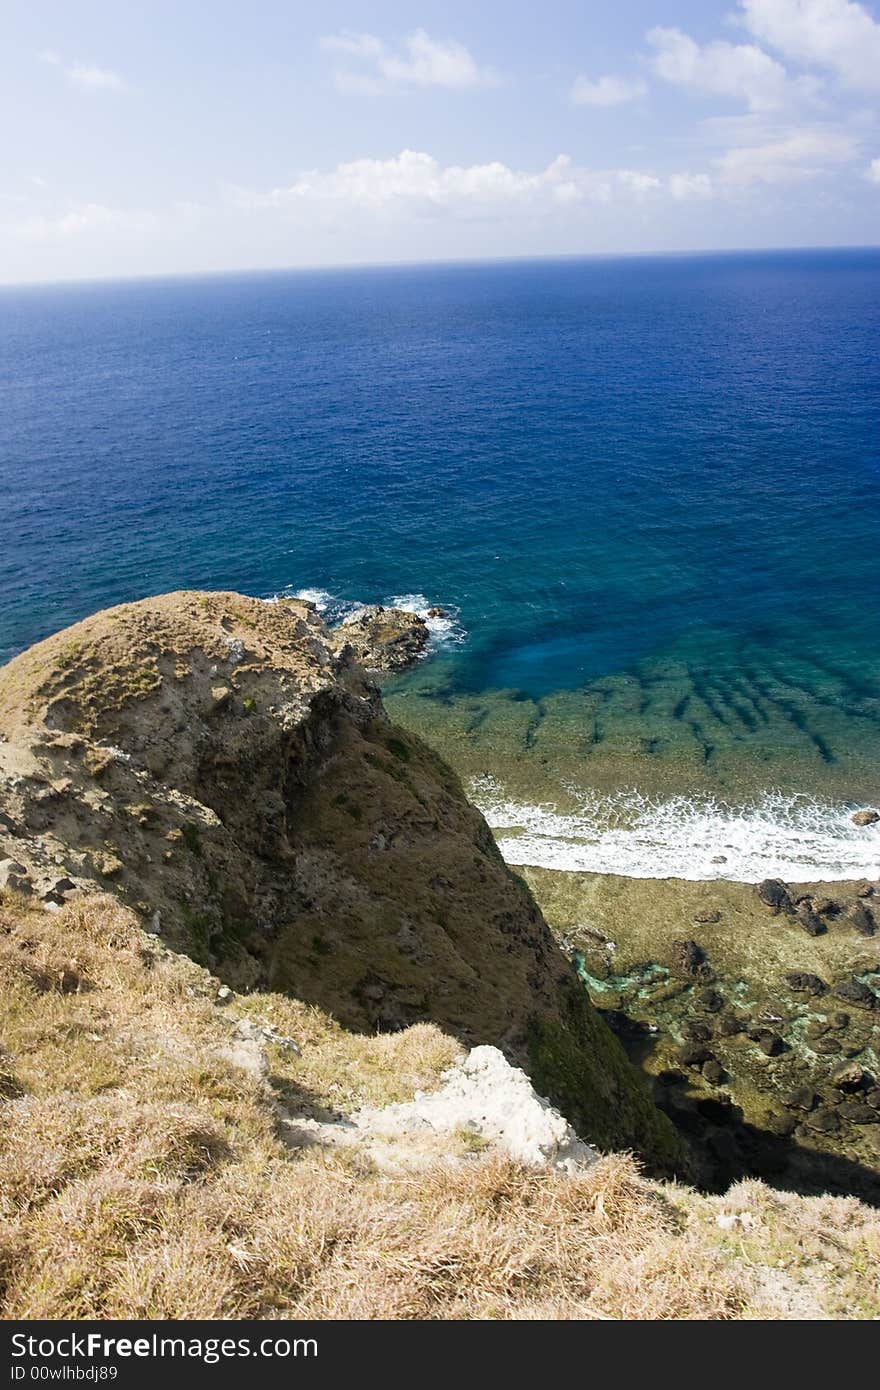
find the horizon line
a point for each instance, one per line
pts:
(438, 262)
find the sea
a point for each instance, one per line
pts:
(643, 491)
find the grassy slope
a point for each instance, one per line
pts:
(142, 1173)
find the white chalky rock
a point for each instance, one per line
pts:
(496, 1101)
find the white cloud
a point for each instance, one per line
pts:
(605, 91)
(86, 76)
(872, 173)
(422, 61)
(742, 71)
(415, 182)
(686, 186)
(834, 34)
(636, 182)
(801, 155)
(81, 219)
(413, 177)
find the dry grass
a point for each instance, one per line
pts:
(141, 1174)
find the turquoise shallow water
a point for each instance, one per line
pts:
(646, 490)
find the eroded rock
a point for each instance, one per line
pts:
(384, 639)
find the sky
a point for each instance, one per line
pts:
(178, 137)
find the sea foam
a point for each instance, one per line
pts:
(445, 630)
(690, 837)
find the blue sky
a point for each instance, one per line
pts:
(175, 137)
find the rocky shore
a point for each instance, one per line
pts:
(382, 639)
(754, 1010)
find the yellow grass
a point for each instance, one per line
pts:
(142, 1175)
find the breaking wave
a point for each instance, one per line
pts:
(690, 837)
(444, 626)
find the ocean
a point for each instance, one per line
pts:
(643, 490)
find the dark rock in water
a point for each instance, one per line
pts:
(729, 1026)
(839, 1020)
(436, 612)
(810, 921)
(697, 1031)
(775, 895)
(847, 1076)
(855, 992)
(710, 1000)
(713, 1072)
(861, 917)
(803, 983)
(873, 1097)
(825, 1121)
(856, 1113)
(770, 1043)
(707, 916)
(801, 1098)
(693, 1055)
(383, 639)
(865, 817)
(688, 958)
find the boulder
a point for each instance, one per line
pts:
(810, 921)
(769, 1042)
(857, 1113)
(847, 1076)
(856, 992)
(688, 959)
(801, 1098)
(861, 919)
(801, 982)
(775, 895)
(866, 817)
(14, 876)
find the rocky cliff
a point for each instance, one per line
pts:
(226, 769)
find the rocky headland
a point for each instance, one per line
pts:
(224, 767)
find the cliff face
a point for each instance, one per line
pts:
(225, 769)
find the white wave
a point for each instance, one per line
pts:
(791, 837)
(444, 630)
(319, 597)
(331, 607)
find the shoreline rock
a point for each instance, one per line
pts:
(383, 639)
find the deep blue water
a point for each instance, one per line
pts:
(595, 461)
